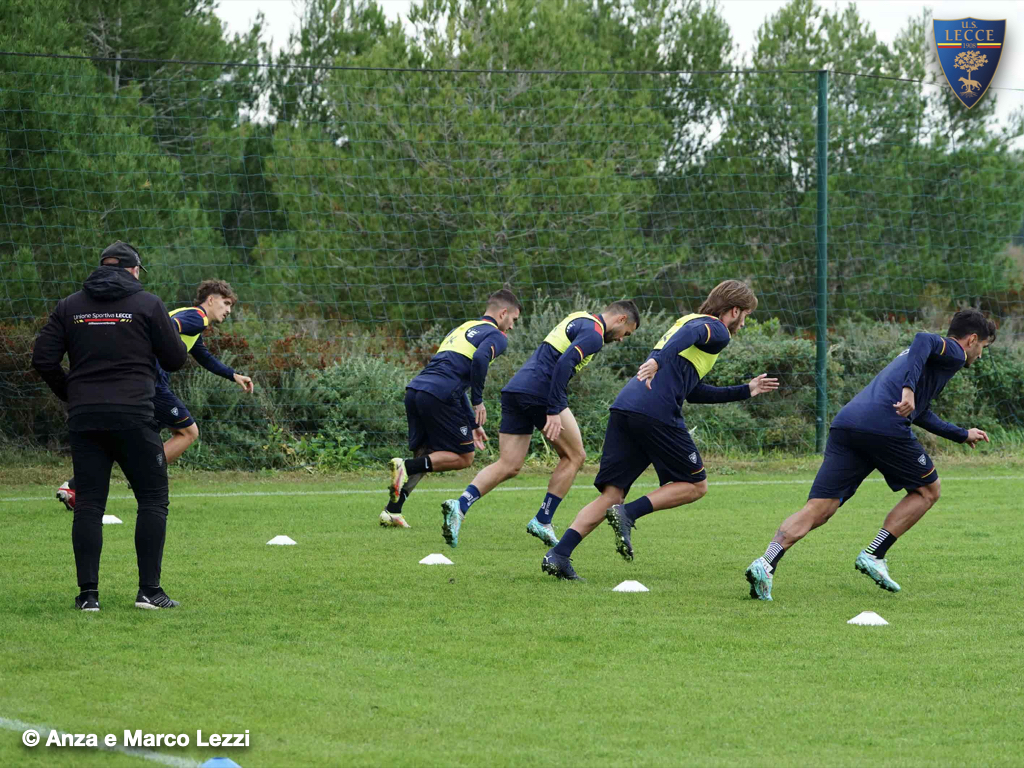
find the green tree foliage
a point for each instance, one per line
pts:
(913, 192)
(379, 177)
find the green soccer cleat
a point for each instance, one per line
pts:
(877, 570)
(760, 580)
(398, 478)
(451, 521)
(545, 533)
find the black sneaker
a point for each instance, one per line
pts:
(155, 600)
(559, 566)
(88, 601)
(623, 527)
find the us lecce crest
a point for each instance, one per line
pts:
(968, 51)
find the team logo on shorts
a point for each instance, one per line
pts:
(922, 460)
(693, 457)
(174, 411)
(464, 431)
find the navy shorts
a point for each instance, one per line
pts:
(520, 415)
(850, 456)
(169, 411)
(437, 424)
(633, 442)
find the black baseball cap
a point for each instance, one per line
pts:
(125, 254)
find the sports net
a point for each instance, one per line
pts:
(365, 215)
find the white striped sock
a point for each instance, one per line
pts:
(772, 554)
(882, 536)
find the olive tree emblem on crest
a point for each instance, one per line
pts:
(970, 61)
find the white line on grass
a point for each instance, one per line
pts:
(422, 491)
(145, 754)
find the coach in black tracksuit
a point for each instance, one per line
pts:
(113, 333)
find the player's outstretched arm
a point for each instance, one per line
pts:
(929, 421)
(202, 355)
(708, 394)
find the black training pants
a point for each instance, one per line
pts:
(140, 454)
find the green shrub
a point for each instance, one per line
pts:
(327, 398)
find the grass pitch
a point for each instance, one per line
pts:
(342, 650)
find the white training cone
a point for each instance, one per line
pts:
(436, 560)
(631, 586)
(281, 540)
(111, 520)
(868, 619)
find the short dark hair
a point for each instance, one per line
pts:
(968, 321)
(624, 307)
(208, 288)
(504, 298)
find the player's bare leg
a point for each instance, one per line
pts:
(571, 455)
(815, 513)
(179, 442)
(512, 450)
(904, 515)
(912, 508)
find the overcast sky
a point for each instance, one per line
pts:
(886, 18)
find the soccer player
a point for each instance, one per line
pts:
(535, 398)
(214, 301)
(872, 432)
(646, 425)
(444, 431)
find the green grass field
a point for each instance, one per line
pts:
(343, 651)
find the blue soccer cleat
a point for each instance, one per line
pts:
(559, 566)
(545, 533)
(623, 527)
(760, 580)
(451, 521)
(876, 569)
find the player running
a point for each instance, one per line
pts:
(214, 301)
(444, 431)
(646, 425)
(536, 398)
(872, 432)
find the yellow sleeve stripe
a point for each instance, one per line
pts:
(943, 347)
(709, 332)
(576, 347)
(179, 324)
